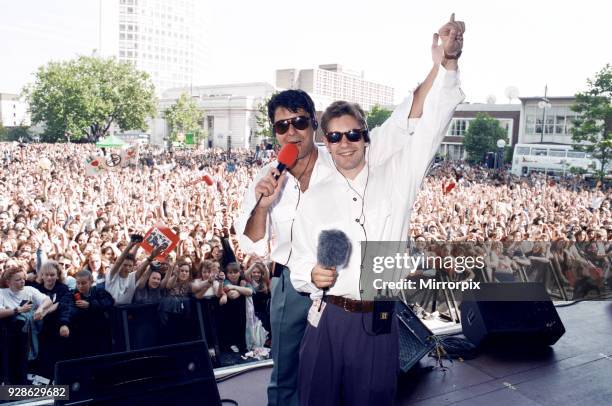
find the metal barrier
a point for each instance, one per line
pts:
(138, 326)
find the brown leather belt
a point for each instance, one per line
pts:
(350, 305)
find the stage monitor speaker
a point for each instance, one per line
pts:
(179, 374)
(510, 313)
(415, 339)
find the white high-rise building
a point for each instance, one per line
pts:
(336, 83)
(167, 39)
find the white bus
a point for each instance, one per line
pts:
(554, 160)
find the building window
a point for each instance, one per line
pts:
(559, 153)
(522, 151)
(210, 125)
(458, 128)
(540, 152)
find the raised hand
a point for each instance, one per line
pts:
(451, 35)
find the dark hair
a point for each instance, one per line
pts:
(343, 108)
(235, 266)
(130, 257)
(292, 100)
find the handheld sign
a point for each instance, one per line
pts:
(160, 235)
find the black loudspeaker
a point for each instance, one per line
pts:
(510, 313)
(415, 339)
(178, 374)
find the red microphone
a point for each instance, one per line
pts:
(287, 157)
(209, 181)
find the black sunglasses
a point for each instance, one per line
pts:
(353, 135)
(299, 123)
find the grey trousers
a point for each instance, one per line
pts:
(343, 363)
(288, 318)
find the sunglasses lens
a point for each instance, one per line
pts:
(300, 123)
(281, 127)
(354, 135)
(333, 137)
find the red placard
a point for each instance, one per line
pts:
(159, 234)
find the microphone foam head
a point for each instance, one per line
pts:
(288, 155)
(334, 248)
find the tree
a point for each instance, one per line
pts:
(83, 97)
(593, 125)
(19, 133)
(376, 116)
(184, 117)
(264, 127)
(481, 137)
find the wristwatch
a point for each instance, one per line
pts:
(455, 56)
(16, 311)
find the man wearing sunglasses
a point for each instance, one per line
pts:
(345, 358)
(268, 229)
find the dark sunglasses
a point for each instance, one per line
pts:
(353, 136)
(299, 123)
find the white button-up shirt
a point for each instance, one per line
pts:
(389, 190)
(385, 141)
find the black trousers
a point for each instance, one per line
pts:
(15, 353)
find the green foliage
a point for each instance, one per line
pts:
(594, 123)
(264, 127)
(376, 116)
(15, 133)
(481, 137)
(576, 170)
(184, 117)
(83, 97)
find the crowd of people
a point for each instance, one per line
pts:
(70, 242)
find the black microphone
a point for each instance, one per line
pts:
(333, 250)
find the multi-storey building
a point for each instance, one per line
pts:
(164, 38)
(336, 83)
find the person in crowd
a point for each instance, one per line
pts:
(148, 286)
(56, 328)
(20, 306)
(232, 315)
(259, 278)
(90, 333)
(121, 281)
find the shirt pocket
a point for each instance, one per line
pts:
(378, 220)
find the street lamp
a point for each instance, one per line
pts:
(544, 104)
(499, 156)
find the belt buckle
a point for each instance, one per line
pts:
(344, 305)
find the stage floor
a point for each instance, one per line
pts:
(576, 370)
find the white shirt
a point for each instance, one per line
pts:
(11, 300)
(121, 289)
(384, 141)
(212, 291)
(390, 194)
